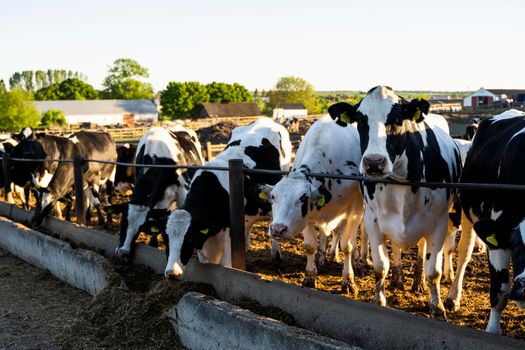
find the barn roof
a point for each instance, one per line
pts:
(508, 92)
(91, 107)
(239, 109)
(290, 106)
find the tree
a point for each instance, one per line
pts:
(15, 81)
(2, 86)
(27, 76)
(69, 89)
(17, 110)
(181, 100)
(294, 90)
(40, 79)
(123, 81)
(50, 77)
(53, 117)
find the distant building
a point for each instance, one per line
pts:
(103, 112)
(490, 97)
(445, 105)
(287, 111)
(239, 109)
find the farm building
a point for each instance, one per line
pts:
(104, 112)
(240, 109)
(490, 97)
(289, 110)
(445, 105)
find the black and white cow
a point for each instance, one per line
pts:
(35, 146)
(125, 175)
(401, 141)
(471, 129)
(89, 145)
(300, 201)
(158, 189)
(6, 146)
(496, 156)
(203, 221)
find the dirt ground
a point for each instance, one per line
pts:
(35, 307)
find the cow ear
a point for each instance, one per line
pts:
(262, 193)
(416, 110)
(343, 113)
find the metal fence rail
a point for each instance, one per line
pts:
(237, 171)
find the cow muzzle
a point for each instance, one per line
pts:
(518, 292)
(172, 275)
(278, 231)
(374, 164)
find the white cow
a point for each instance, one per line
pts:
(300, 201)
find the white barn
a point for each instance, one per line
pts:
(289, 111)
(103, 112)
(482, 97)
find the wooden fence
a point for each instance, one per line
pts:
(135, 133)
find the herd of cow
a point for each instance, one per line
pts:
(382, 137)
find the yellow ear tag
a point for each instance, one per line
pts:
(129, 192)
(320, 201)
(155, 229)
(205, 231)
(492, 240)
(345, 118)
(263, 195)
(417, 115)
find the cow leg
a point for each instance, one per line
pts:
(276, 254)
(310, 247)
(379, 256)
(27, 196)
(226, 259)
(466, 245)
(448, 258)
(365, 251)
(320, 258)
(499, 262)
(419, 285)
(348, 239)
(398, 277)
(58, 210)
(334, 247)
(479, 246)
(433, 270)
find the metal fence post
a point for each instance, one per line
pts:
(80, 208)
(7, 175)
(238, 240)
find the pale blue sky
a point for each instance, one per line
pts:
(334, 44)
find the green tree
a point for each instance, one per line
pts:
(40, 79)
(228, 93)
(181, 100)
(15, 81)
(53, 117)
(291, 89)
(27, 76)
(2, 86)
(17, 110)
(50, 77)
(123, 81)
(69, 89)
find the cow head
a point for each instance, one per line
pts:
(185, 235)
(518, 265)
(44, 206)
(24, 172)
(383, 119)
(293, 199)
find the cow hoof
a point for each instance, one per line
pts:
(309, 282)
(438, 312)
(122, 253)
(451, 305)
(380, 300)
(349, 288)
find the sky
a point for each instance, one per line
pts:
(333, 44)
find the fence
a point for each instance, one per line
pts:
(236, 171)
(135, 133)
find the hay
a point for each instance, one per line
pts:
(131, 315)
